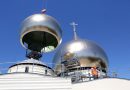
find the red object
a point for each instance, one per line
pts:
(94, 71)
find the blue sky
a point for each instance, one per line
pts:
(107, 22)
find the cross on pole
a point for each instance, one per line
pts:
(44, 7)
(73, 24)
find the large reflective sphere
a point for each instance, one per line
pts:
(87, 53)
(41, 33)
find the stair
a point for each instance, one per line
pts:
(26, 81)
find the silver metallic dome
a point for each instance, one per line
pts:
(88, 53)
(41, 33)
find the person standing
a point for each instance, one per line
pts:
(94, 72)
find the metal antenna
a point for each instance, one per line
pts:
(74, 29)
(44, 7)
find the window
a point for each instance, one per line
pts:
(45, 72)
(26, 69)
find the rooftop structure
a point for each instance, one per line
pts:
(78, 57)
(31, 66)
(75, 63)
